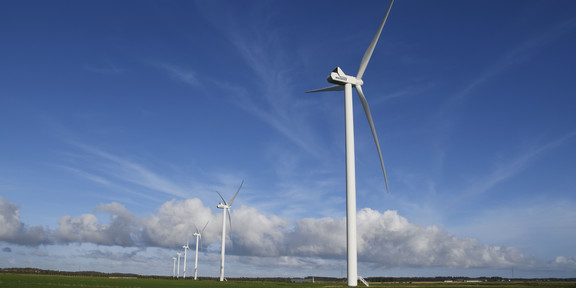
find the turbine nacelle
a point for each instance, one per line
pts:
(339, 78)
(222, 206)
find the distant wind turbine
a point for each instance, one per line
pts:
(178, 270)
(185, 250)
(345, 82)
(198, 235)
(225, 208)
(174, 268)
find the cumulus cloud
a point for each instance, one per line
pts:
(389, 239)
(257, 234)
(176, 221)
(385, 239)
(319, 237)
(12, 230)
(9, 218)
(561, 260)
(87, 227)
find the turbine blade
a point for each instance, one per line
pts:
(204, 227)
(331, 88)
(370, 49)
(230, 220)
(222, 198)
(369, 117)
(196, 228)
(236, 193)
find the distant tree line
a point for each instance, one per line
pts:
(74, 273)
(462, 279)
(280, 279)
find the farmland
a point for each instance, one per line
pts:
(9, 280)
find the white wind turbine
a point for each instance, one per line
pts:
(174, 268)
(198, 235)
(178, 270)
(225, 207)
(185, 250)
(345, 82)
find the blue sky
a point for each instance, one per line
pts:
(121, 120)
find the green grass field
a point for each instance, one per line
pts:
(46, 281)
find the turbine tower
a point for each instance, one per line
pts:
(345, 82)
(174, 268)
(225, 208)
(198, 235)
(178, 271)
(185, 250)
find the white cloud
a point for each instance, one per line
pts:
(176, 222)
(386, 239)
(9, 218)
(108, 168)
(319, 237)
(185, 75)
(12, 230)
(257, 234)
(261, 46)
(87, 227)
(537, 224)
(565, 260)
(513, 166)
(390, 240)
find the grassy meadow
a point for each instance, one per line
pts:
(49, 281)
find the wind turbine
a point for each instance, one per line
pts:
(174, 268)
(225, 207)
(185, 250)
(198, 235)
(178, 271)
(345, 82)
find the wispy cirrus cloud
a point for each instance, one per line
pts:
(108, 68)
(443, 120)
(187, 76)
(261, 44)
(524, 52)
(512, 167)
(107, 168)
